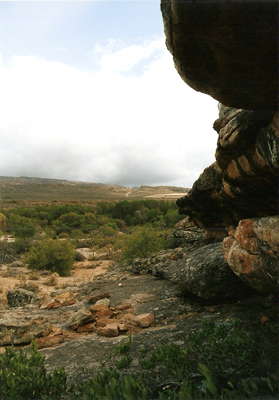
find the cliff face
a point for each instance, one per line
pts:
(229, 50)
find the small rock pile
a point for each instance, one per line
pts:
(108, 321)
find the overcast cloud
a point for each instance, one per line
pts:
(129, 121)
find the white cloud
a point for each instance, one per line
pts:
(119, 123)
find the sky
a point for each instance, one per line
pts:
(89, 92)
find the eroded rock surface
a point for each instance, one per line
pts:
(227, 49)
(252, 251)
(243, 182)
(201, 271)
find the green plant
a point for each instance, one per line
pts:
(7, 252)
(22, 245)
(20, 226)
(53, 255)
(141, 243)
(23, 376)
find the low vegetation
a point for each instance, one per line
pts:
(52, 255)
(44, 235)
(219, 361)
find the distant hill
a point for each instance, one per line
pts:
(44, 190)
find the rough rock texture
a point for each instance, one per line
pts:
(252, 251)
(243, 182)
(227, 49)
(19, 297)
(202, 271)
(188, 234)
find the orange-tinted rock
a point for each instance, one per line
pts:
(123, 327)
(100, 311)
(90, 327)
(63, 299)
(110, 330)
(252, 252)
(49, 341)
(123, 306)
(103, 322)
(144, 320)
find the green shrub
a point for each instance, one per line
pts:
(141, 243)
(7, 252)
(53, 255)
(21, 227)
(22, 245)
(3, 222)
(24, 377)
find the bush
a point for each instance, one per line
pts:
(22, 245)
(23, 376)
(53, 255)
(7, 252)
(141, 243)
(22, 227)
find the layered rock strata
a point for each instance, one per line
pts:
(243, 182)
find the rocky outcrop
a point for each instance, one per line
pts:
(227, 49)
(243, 182)
(201, 271)
(252, 251)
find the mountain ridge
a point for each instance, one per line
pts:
(24, 188)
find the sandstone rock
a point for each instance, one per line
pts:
(49, 341)
(103, 321)
(110, 330)
(100, 311)
(62, 300)
(17, 330)
(122, 327)
(123, 307)
(19, 297)
(81, 317)
(252, 252)
(247, 160)
(227, 49)
(144, 320)
(87, 328)
(128, 319)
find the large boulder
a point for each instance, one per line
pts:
(227, 49)
(201, 271)
(243, 182)
(252, 252)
